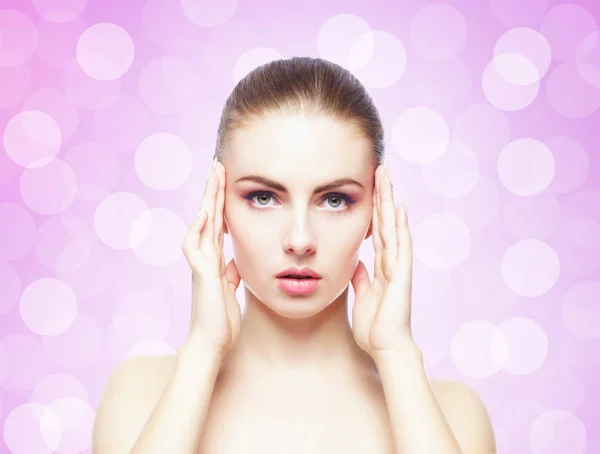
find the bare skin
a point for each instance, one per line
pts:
(270, 413)
(295, 381)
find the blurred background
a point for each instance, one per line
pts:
(108, 114)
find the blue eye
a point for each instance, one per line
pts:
(265, 194)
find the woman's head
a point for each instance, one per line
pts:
(302, 123)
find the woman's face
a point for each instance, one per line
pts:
(293, 226)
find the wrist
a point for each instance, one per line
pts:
(403, 351)
(199, 350)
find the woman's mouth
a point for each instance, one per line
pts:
(298, 285)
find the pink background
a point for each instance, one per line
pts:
(108, 115)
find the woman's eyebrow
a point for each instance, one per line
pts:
(281, 188)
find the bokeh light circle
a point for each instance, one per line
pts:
(527, 345)
(336, 36)
(581, 309)
(48, 306)
(530, 267)
(442, 241)
(438, 31)
(163, 161)
(454, 174)
(529, 44)
(115, 216)
(479, 349)
(32, 427)
(59, 10)
(420, 135)
(209, 13)
(32, 138)
(18, 38)
(105, 51)
(556, 432)
(50, 189)
(526, 166)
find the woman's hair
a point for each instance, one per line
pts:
(297, 84)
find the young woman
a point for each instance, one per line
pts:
(297, 182)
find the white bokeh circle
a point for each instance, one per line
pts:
(438, 31)
(163, 161)
(60, 11)
(32, 428)
(503, 94)
(105, 51)
(442, 241)
(526, 166)
(76, 419)
(48, 306)
(32, 138)
(527, 345)
(50, 189)
(158, 234)
(115, 216)
(420, 135)
(530, 268)
(581, 309)
(168, 85)
(58, 385)
(588, 59)
(556, 432)
(529, 56)
(18, 39)
(378, 59)
(252, 59)
(337, 35)
(209, 13)
(455, 173)
(479, 349)
(572, 164)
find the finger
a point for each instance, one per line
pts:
(219, 203)
(377, 243)
(388, 221)
(232, 278)
(233, 275)
(209, 205)
(204, 193)
(191, 240)
(404, 244)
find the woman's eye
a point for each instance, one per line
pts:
(335, 197)
(267, 196)
(334, 200)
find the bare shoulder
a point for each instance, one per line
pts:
(466, 415)
(131, 393)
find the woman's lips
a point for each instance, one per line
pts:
(296, 286)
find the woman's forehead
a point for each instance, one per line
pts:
(296, 140)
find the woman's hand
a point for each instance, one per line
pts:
(382, 308)
(216, 313)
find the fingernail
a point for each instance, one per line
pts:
(387, 169)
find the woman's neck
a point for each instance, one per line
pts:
(319, 344)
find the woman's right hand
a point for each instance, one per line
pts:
(216, 313)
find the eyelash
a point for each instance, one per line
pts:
(349, 200)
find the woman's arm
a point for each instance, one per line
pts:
(418, 422)
(175, 424)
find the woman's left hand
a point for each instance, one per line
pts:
(382, 308)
